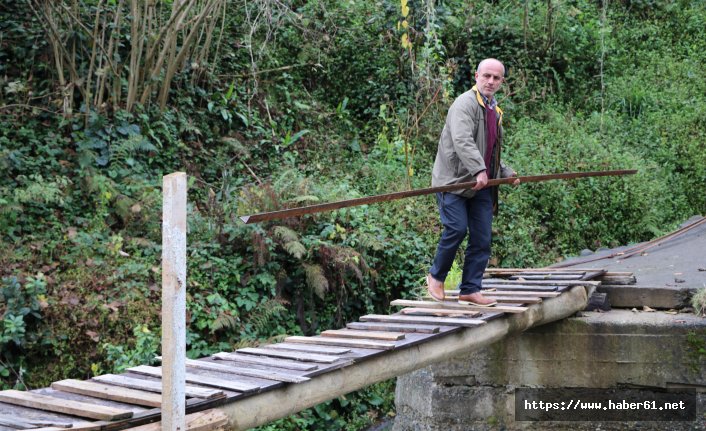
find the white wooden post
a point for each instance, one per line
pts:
(173, 301)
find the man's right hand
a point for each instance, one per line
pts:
(481, 180)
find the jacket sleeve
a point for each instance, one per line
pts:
(462, 128)
(505, 170)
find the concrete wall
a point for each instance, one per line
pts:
(599, 350)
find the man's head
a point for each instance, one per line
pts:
(489, 76)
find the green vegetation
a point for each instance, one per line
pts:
(277, 104)
(698, 301)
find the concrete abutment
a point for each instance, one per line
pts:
(617, 349)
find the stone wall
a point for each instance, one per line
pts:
(618, 349)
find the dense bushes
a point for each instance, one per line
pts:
(318, 102)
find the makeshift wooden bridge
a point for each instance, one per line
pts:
(255, 385)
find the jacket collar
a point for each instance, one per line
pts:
(479, 97)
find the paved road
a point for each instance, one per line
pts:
(678, 263)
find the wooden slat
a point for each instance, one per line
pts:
(507, 299)
(269, 362)
(618, 273)
(618, 280)
(439, 312)
(536, 270)
(562, 277)
(48, 421)
(200, 379)
(59, 405)
(521, 288)
(446, 321)
(298, 356)
(393, 327)
(152, 386)
(530, 293)
(454, 306)
(538, 284)
(250, 372)
(590, 275)
(46, 424)
(209, 420)
(15, 423)
(509, 271)
(108, 392)
(361, 344)
(497, 293)
(324, 350)
(488, 316)
(371, 335)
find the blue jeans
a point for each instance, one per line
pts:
(459, 216)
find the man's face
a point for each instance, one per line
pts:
(489, 77)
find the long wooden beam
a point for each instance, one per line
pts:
(295, 212)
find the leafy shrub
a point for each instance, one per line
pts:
(21, 311)
(698, 301)
(144, 352)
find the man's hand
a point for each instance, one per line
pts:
(517, 181)
(481, 180)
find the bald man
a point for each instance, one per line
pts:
(469, 149)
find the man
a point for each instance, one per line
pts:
(469, 149)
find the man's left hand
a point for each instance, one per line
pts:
(517, 180)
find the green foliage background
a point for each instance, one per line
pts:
(321, 102)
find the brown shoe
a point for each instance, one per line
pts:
(435, 288)
(476, 298)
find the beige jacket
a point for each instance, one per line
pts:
(462, 146)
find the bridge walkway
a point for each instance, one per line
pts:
(255, 385)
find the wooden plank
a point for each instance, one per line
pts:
(361, 344)
(536, 270)
(618, 273)
(209, 420)
(491, 316)
(200, 379)
(590, 275)
(520, 288)
(529, 293)
(393, 327)
(511, 299)
(371, 335)
(269, 362)
(563, 277)
(15, 423)
(446, 321)
(507, 299)
(153, 386)
(16, 417)
(567, 270)
(495, 282)
(298, 356)
(324, 350)
(52, 404)
(618, 280)
(108, 392)
(439, 312)
(250, 372)
(454, 306)
(496, 293)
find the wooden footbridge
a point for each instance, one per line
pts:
(253, 386)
